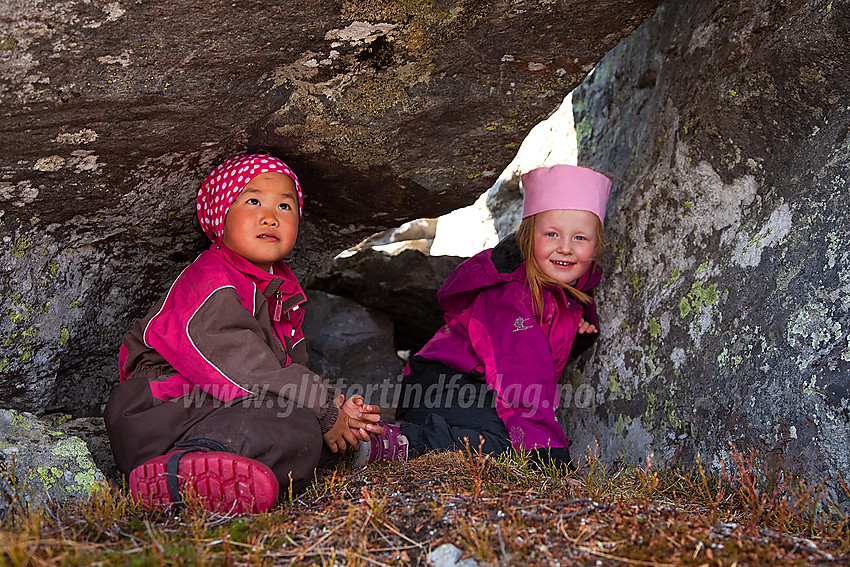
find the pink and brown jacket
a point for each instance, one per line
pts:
(231, 330)
(491, 327)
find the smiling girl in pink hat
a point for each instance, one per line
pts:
(215, 397)
(515, 315)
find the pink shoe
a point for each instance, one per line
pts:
(389, 446)
(225, 483)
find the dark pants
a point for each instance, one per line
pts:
(286, 439)
(440, 408)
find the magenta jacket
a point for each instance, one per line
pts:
(230, 329)
(491, 328)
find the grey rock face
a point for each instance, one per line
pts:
(40, 462)
(113, 112)
(404, 286)
(725, 308)
(351, 347)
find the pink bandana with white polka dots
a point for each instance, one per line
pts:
(223, 185)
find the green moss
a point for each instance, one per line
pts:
(75, 303)
(8, 43)
(578, 378)
(64, 419)
(673, 277)
(651, 400)
(21, 246)
(654, 328)
(613, 382)
(48, 476)
(702, 296)
(584, 133)
(64, 336)
(757, 239)
(633, 279)
(672, 420)
(698, 297)
(684, 307)
(4, 362)
(85, 481)
(53, 267)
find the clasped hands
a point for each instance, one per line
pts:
(354, 422)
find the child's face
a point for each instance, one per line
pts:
(262, 223)
(565, 243)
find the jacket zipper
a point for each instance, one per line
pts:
(278, 307)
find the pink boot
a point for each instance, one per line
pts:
(225, 483)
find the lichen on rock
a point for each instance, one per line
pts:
(43, 463)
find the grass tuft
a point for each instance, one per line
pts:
(504, 511)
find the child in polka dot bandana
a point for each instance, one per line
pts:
(215, 398)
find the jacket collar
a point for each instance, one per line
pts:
(282, 280)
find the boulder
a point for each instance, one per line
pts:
(351, 347)
(404, 286)
(724, 307)
(92, 431)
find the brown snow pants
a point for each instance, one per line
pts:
(288, 440)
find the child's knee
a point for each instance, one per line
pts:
(291, 446)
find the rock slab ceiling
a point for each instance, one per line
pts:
(112, 112)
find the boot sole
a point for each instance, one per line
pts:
(224, 483)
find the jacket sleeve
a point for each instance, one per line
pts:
(225, 351)
(298, 353)
(519, 367)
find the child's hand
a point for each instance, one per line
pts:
(340, 435)
(363, 418)
(585, 327)
(353, 420)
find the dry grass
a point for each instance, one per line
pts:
(498, 511)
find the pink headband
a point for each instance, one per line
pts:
(223, 185)
(565, 187)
